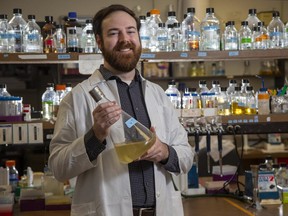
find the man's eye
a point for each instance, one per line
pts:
(112, 33)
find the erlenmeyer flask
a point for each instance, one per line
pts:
(131, 139)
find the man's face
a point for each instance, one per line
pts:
(120, 44)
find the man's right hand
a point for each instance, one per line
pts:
(104, 115)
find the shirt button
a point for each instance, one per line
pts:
(157, 194)
(136, 108)
(147, 184)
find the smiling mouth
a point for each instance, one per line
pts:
(125, 50)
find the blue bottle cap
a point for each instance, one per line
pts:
(72, 15)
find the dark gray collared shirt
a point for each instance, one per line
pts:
(141, 172)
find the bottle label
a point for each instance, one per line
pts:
(245, 40)
(33, 37)
(130, 122)
(194, 33)
(3, 36)
(211, 28)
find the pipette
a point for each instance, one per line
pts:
(208, 148)
(220, 148)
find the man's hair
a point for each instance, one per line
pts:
(103, 13)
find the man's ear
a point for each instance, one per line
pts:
(99, 41)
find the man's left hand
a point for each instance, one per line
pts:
(158, 152)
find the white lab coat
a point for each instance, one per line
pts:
(102, 186)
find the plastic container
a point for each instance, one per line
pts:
(263, 102)
(13, 174)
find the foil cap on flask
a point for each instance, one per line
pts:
(97, 94)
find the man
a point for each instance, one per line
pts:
(81, 146)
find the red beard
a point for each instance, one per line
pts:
(121, 61)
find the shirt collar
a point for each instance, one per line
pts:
(108, 75)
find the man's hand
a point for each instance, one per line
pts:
(158, 152)
(104, 116)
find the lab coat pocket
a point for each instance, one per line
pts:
(160, 120)
(86, 209)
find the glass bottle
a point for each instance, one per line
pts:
(252, 18)
(202, 87)
(49, 44)
(276, 31)
(192, 29)
(282, 175)
(153, 26)
(60, 93)
(213, 69)
(245, 36)
(170, 45)
(13, 174)
(162, 37)
(89, 45)
(3, 90)
(201, 71)
(231, 87)
(48, 98)
(275, 169)
(223, 107)
(186, 99)
(269, 162)
(261, 37)
(131, 139)
(178, 38)
(59, 39)
(174, 94)
(244, 84)
(88, 26)
(32, 37)
(230, 37)
(215, 87)
(47, 32)
(251, 102)
(68, 88)
(72, 41)
(286, 36)
(196, 100)
(171, 18)
(144, 34)
(50, 184)
(18, 24)
(210, 31)
(237, 102)
(7, 40)
(73, 23)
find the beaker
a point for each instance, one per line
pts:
(131, 139)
